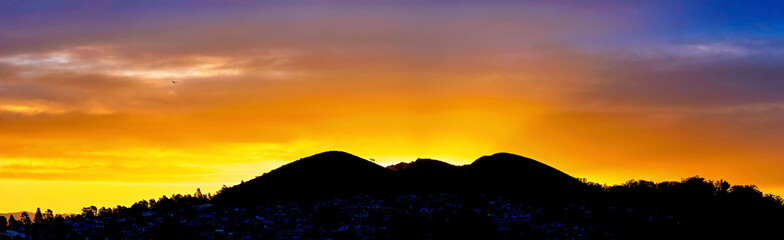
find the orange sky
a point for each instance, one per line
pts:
(91, 117)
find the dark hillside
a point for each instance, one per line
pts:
(428, 175)
(335, 174)
(323, 175)
(518, 176)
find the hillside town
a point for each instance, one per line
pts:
(636, 209)
(359, 217)
(633, 210)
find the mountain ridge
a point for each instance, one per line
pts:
(336, 173)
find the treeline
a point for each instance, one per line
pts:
(689, 190)
(162, 204)
(637, 209)
(25, 220)
(690, 194)
(693, 207)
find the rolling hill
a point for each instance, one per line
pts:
(336, 174)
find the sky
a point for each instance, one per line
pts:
(603, 90)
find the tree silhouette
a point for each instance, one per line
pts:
(26, 219)
(89, 211)
(223, 189)
(104, 211)
(745, 192)
(198, 193)
(3, 222)
(12, 222)
(38, 217)
(722, 187)
(49, 215)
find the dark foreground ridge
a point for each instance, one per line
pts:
(336, 195)
(340, 174)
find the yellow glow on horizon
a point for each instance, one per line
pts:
(177, 154)
(66, 197)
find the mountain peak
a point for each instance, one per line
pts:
(420, 163)
(333, 153)
(336, 173)
(331, 160)
(502, 157)
(509, 162)
(428, 164)
(505, 168)
(330, 173)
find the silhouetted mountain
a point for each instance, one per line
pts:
(333, 174)
(428, 175)
(322, 175)
(424, 165)
(506, 173)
